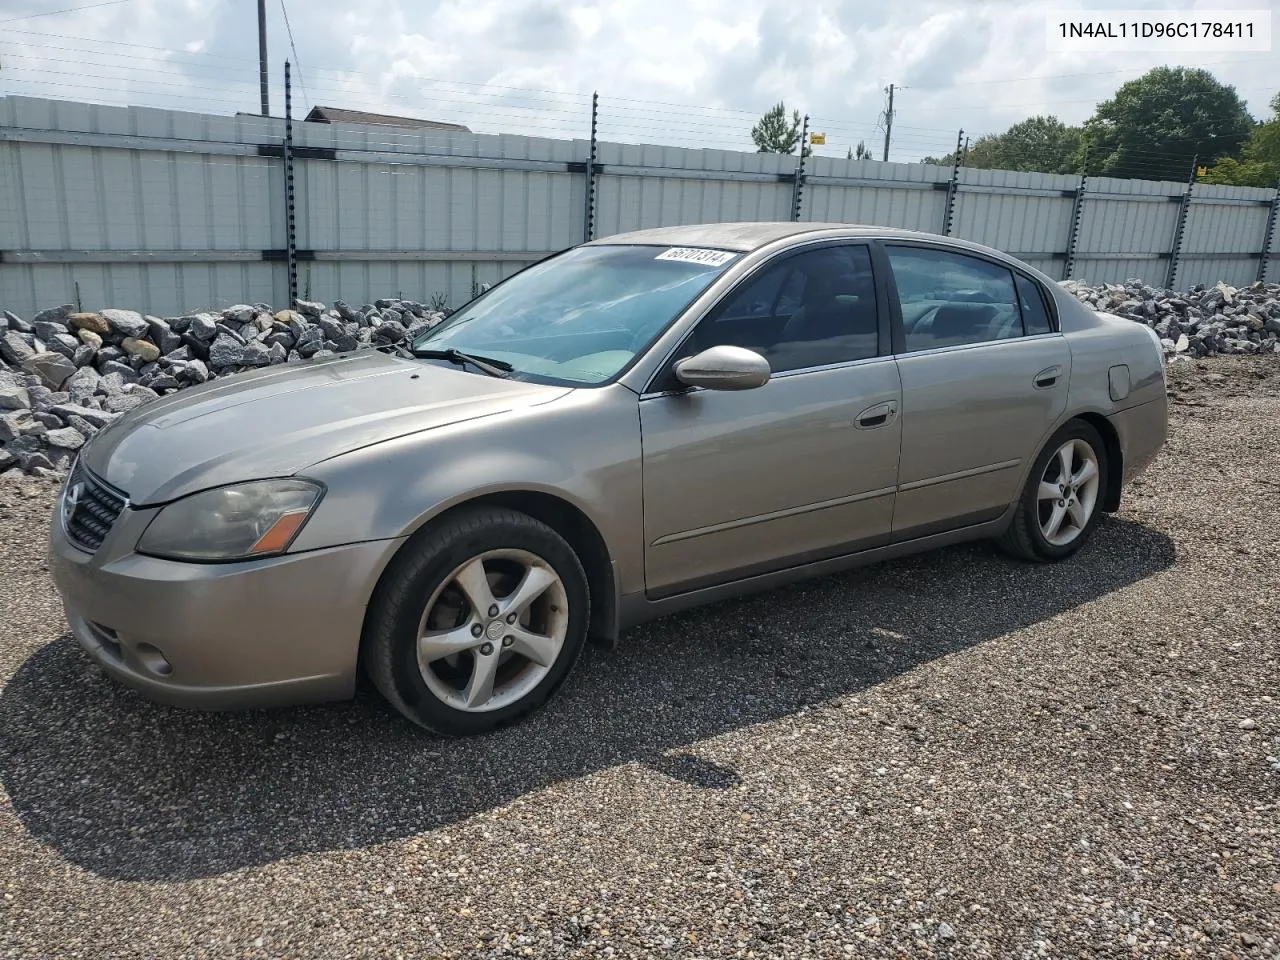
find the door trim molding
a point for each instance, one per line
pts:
(959, 475)
(774, 515)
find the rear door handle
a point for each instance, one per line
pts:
(878, 415)
(1048, 377)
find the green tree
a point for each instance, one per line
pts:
(774, 134)
(861, 153)
(1154, 125)
(1260, 163)
(1037, 144)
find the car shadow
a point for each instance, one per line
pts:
(129, 789)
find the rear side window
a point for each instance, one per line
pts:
(949, 299)
(1035, 316)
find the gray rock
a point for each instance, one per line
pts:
(203, 327)
(47, 417)
(140, 390)
(83, 356)
(53, 369)
(390, 331)
(65, 345)
(81, 425)
(13, 397)
(46, 330)
(309, 308)
(15, 322)
(56, 314)
(277, 353)
(228, 331)
(165, 382)
(391, 315)
(181, 355)
(344, 343)
(83, 383)
(196, 372)
(127, 373)
(90, 415)
(124, 402)
(111, 383)
(108, 354)
(42, 398)
(15, 349)
(68, 438)
(1272, 325)
(332, 329)
(255, 354)
(281, 338)
(7, 460)
(298, 329)
(126, 322)
(162, 335)
(225, 351)
(241, 313)
(322, 353)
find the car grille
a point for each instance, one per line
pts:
(96, 508)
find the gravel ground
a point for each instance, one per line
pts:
(955, 754)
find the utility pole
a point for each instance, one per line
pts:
(262, 57)
(888, 124)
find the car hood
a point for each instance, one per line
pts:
(278, 420)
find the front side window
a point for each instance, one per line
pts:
(580, 318)
(807, 310)
(950, 299)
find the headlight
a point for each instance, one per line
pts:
(239, 522)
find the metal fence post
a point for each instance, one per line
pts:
(290, 209)
(1077, 215)
(953, 187)
(797, 185)
(1269, 237)
(1184, 208)
(589, 208)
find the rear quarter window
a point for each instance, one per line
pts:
(1035, 312)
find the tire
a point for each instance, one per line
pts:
(422, 606)
(1026, 535)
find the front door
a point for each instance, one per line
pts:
(984, 379)
(802, 468)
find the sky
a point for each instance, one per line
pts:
(693, 73)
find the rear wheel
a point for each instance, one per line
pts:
(1060, 505)
(479, 624)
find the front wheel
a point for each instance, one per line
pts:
(1059, 506)
(478, 622)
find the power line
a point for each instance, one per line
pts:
(296, 59)
(50, 13)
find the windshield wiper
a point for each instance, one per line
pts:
(491, 366)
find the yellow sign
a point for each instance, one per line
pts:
(819, 138)
(1201, 171)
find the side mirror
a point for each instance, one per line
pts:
(724, 368)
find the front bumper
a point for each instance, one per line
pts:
(225, 636)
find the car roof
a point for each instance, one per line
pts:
(752, 235)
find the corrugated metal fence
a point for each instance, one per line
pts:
(170, 212)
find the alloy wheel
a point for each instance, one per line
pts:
(492, 631)
(1068, 492)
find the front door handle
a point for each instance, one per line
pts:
(878, 415)
(1047, 377)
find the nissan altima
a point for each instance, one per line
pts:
(635, 426)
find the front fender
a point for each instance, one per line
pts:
(583, 448)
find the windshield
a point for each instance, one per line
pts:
(583, 316)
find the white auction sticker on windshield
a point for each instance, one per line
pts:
(712, 258)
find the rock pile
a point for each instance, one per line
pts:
(65, 374)
(1199, 323)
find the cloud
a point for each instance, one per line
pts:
(529, 66)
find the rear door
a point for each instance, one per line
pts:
(984, 378)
